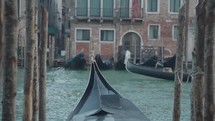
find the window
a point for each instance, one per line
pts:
(175, 5)
(82, 7)
(124, 8)
(108, 8)
(83, 35)
(152, 6)
(95, 8)
(153, 32)
(175, 32)
(130, 8)
(107, 35)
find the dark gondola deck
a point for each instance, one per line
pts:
(100, 102)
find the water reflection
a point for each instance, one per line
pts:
(64, 89)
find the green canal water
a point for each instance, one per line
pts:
(152, 96)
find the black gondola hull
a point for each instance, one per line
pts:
(76, 63)
(153, 72)
(100, 102)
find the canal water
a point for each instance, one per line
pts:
(152, 96)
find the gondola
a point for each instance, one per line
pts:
(100, 102)
(103, 65)
(168, 62)
(153, 72)
(150, 61)
(75, 63)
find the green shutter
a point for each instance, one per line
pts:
(83, 35)
(95, 8)
(175, 5)
(108, 8)
(171, 5)
(149, 5)
(124, 8)
(176, 32)
(153, 32)
(107, 35)
(152, 5)
(81, 8)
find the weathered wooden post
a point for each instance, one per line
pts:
(134, 48)
(187, 3)
(1, 38)
(42, 64)
(35, 77)
(197, 92)
(10, 65)
(67, 45)
(91, 51)
(51, 50)
(209, 61)
(179, 65)
(29, 57)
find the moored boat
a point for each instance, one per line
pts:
(170, 62)
(153, 72)
(103, 65)
(100, 102)
(76, 62)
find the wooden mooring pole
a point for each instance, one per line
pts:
(29, 57)
(42, 64)
(92, 52)
(179, 65)
(197, 92)
(1, 39)
(36, 71)
(10, 66)
(209, 61)
(51, 50)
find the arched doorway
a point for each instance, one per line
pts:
(132, 42)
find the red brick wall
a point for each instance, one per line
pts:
(85, 47)
(107, 50)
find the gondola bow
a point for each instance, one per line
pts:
(100, 102)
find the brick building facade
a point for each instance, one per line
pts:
(114, 32)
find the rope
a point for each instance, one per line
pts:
(190, 75)
(179, 78)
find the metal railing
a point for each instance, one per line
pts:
(122, 13)
(140, 52)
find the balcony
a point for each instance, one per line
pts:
(94, 14)
(106, 14)
(125, 14)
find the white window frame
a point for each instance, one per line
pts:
(84, 41)
(173, 31)
(159, 28)
(114, 35)
(181, 1)
(146, 8)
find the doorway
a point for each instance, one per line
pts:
(132, 42)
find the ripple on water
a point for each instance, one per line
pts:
(65, 88)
